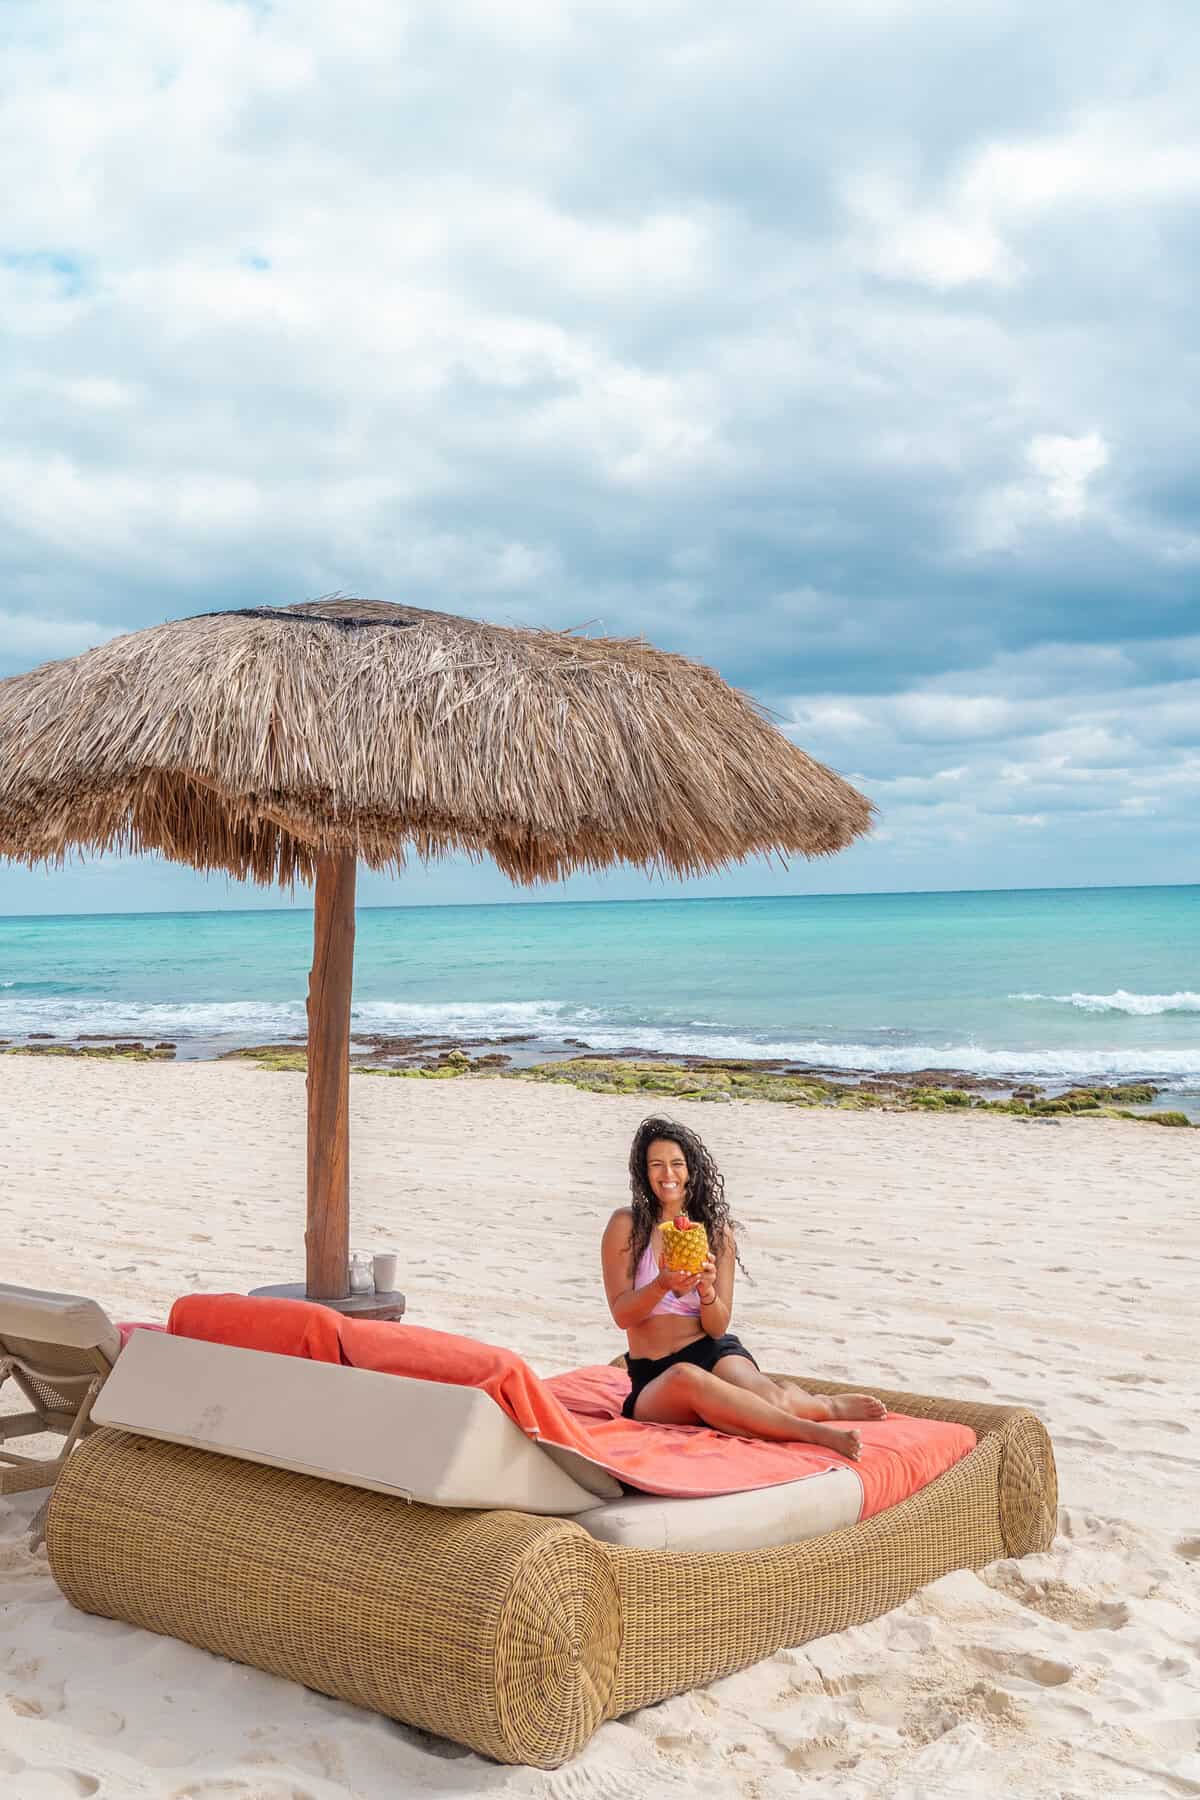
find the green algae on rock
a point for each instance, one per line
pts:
(709, 1081)
(720, 1082)
(738, 1081)
(97, 1052)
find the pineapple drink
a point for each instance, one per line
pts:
(684, 1246)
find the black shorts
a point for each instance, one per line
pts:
(705, 1353)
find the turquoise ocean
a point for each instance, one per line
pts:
(1060, 985)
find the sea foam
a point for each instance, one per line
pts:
(1141, 1006)
(260, 1020)
(1069, 1063)
(547, 1023)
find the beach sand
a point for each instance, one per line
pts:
(1056, 1264)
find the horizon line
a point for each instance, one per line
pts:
(199, 912)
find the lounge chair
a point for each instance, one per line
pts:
(58, 1350)
(403, 1545)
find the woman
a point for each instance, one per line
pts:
(684, 1365)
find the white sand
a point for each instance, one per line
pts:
(1053, 1264)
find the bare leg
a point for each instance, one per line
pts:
(742, 1372)
(686, 1395)
(837, 1406)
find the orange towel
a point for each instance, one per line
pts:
(127, 1330)
(579, 1411)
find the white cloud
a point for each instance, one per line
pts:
(1107, 156)
(36, 640)
(969, 227)
(940, 716)
(1054, 492)
(897, 237)
(752, 336)
(831, 718)
(1066, 465)
(1029, 760)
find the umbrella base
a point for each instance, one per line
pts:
(355, 1306)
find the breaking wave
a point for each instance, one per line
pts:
(260, 1020)
(547, 1023)
(1140, 1006)
(903, 1059)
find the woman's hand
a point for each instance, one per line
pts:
(706, 1281)
(677, 1281)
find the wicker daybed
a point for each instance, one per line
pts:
(513, 1633)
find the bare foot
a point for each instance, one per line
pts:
(847, 1443)
(856, 1406)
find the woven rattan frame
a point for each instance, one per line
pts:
(1000, 1500)
(513, 1634)
(497, 1629)
(60, 1401)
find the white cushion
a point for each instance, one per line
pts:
(423, 1440)
(31, 1315)
(757, 1520)
(590, 1475)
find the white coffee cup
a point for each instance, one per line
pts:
(384, 1267)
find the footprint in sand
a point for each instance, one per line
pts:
(816, 1756)
(1044, 1670)
(28, 1709)
(1058, 1600)
(588, 1781)
(1164, 1456)
(55, 1784)
(953, 1746)
(1189, 1549)
(97, 1721)
(235, 1787)
(813, 1742)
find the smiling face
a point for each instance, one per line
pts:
(667, 1176)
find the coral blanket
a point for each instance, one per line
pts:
(579, 1411)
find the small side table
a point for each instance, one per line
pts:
(354, 1306)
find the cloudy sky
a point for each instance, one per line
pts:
(851, 347)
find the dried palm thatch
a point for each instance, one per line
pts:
(291, 742)
(258, 742)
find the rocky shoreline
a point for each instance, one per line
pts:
(633, 1069)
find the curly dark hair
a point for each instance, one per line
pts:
(705, 1201)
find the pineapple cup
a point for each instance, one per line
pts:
(684, 1252)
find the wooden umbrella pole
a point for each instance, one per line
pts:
(327, 1238)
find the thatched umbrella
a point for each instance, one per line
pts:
(284, 744)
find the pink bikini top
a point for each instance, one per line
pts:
(647, 1269)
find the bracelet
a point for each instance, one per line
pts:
(710, 1300)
